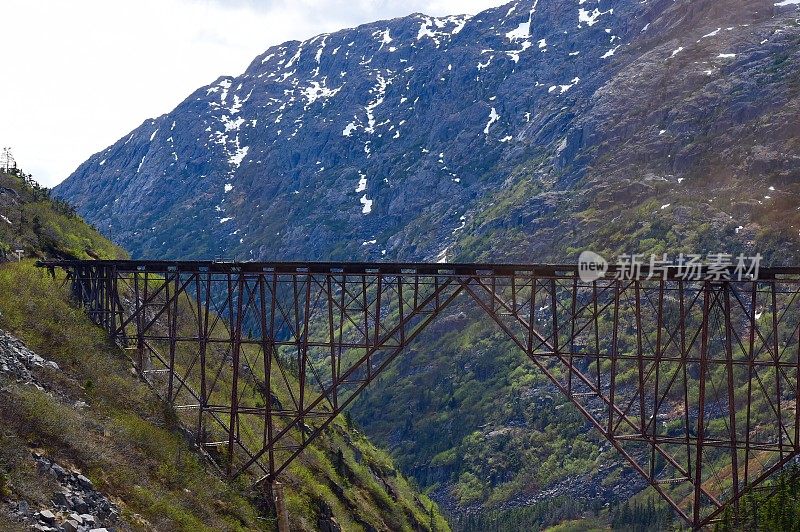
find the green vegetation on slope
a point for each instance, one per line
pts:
(96, 415)
(123, 440)
(43, 226)
(493, 429)
(769, 511)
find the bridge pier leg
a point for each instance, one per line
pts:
(280, 506)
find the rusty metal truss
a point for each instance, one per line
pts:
(694, 383)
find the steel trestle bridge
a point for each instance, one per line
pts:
(693, 382)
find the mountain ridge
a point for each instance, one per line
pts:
(216, 196)
(418, 33)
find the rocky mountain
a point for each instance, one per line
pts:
(520, 132)
(528, 132)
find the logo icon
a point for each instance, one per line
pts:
(591, 266)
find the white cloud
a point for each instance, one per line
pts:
(79, 75)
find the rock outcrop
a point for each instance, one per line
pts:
(76, 507)
(19, 362)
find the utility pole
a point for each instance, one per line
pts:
(7, 162)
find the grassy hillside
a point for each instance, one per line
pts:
(45, 227)
(122, 439)
(95, 415)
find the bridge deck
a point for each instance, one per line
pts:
(388, 268)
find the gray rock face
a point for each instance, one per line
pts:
(488, 136)
(77, 507)
(84, 482)
(19, 362)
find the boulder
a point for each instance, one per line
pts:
(70, 526)
(84, 482)
(60, 499)
(59, 471)
(47, 516)
(79, 505)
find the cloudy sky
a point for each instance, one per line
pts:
(78, 75)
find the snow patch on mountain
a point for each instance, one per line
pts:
(590, 18)
(366, 204)
(318, 91)
(523, 31)
(493, 118)
(380, 94)
(362, 182)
